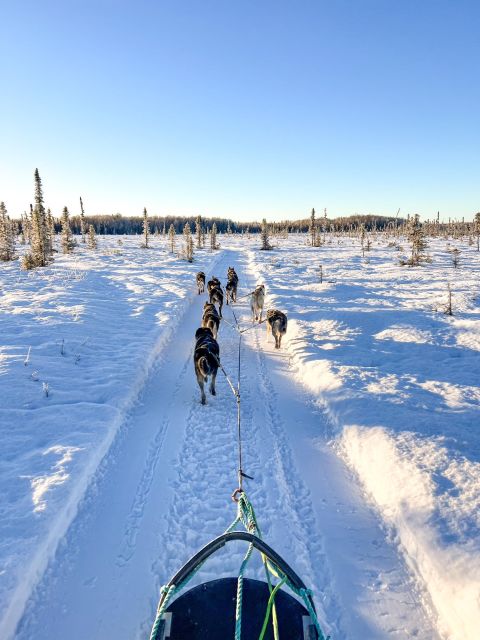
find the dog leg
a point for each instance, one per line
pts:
(200, 380)
(212, 384)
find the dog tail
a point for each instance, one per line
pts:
(203, 367)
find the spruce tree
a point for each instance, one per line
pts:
(477, 229)
(50, 230)
(146, 230)
(213, 237)
(92, 239)
(198, 231)
(7, 235)
(264, 235)
(171, 238)
(39, 255)
(83, 225)
(187, 234)
(67, 239)
(417, 237)
(312, 229)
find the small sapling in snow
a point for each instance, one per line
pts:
(448, 310)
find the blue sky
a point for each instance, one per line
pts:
(242, 109)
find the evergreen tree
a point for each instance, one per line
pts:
(187, 234)
(38, 237)
(171, 238)
(7, 235)
(198, 231)
(67, 239)
(417, 237)
(264, 235)
(477, 229)
(83, 225)
(22, 230)
(49, 234)
(92, 239)
(313, 229)
(146, 230)
(27, 227)
(50, 230)
(213, 237)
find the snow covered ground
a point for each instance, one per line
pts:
(119, 475)
(91, 326)
(399, 382)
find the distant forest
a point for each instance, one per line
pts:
(126, 225)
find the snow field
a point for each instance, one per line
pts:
(126, 475)
(93, 324)
(398, 381)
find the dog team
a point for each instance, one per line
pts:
(206, 356)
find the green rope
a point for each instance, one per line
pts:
(271, 602)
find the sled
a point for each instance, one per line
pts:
(208, 611)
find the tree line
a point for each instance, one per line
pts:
(134, 225)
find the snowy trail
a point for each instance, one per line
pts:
(164, 489)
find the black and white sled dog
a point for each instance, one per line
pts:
(211, 319)
(276, 325)
(200, 282)
(216, 297)
(256, 303)
(232, 284)
(206, 359)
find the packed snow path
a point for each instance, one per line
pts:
(164, 490)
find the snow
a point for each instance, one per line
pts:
(400, 389)
(51, 447)
(360, 434)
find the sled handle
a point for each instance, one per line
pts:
(214, 545)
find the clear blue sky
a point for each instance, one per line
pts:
(243, 109)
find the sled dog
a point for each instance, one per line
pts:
(211, 319)
(257, 300)
(216, 297)
(214, 283)
(276, 325)
(232, 284)
(206, 359)
(200, 282)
